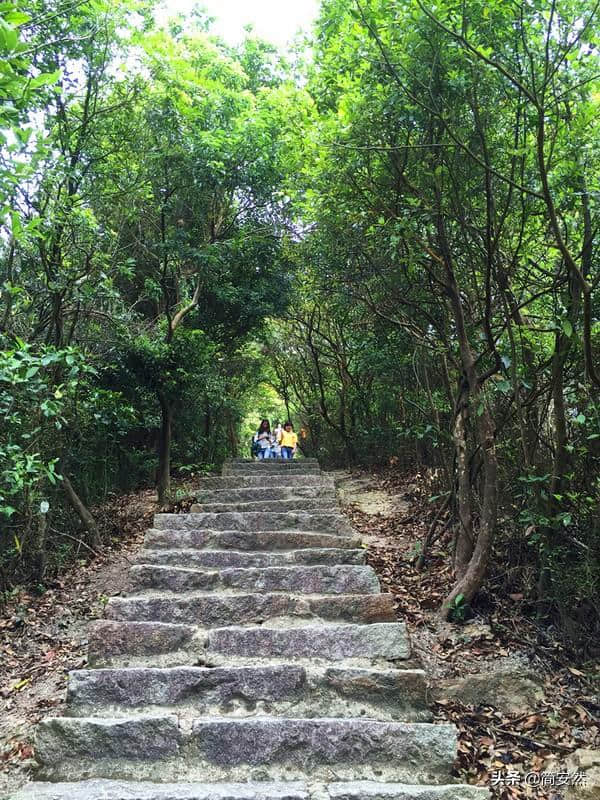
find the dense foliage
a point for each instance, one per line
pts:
(393, 241)
(144, 240)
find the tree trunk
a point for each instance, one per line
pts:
(39, 556)
(463, 549)
(470, 583)
(559, 468)
(163, 482)
(89, 523)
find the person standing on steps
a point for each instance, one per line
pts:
(276, 447)
(288, 441)
(264, 439)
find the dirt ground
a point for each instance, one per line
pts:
(43, 637)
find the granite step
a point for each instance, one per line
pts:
(125, 643)
(326, 504)
(266, 481)
(275, 465)
(268, 493)
(375, 643)
(277, 460)
(218, 610)
(279, 540)
(305, 692)
(349, 790)
(165, 644)
(218, 559)
(338, 579)
(152, 747)
(330, 522)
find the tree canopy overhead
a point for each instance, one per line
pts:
(395, 231)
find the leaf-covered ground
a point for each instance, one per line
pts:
(499, 636)
(43, 636)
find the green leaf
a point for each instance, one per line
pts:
(45, 79)
(567, 327)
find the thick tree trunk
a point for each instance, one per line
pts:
(82, 512)
(463, 549)
(163, 482)
(470, 583)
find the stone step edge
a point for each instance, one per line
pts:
(319, 504)
(358, 643)
(285, 557)
(219, 749)
(146, 578)
(338, 691)
(296, 790)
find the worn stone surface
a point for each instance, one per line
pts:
(299, 747)
(350, 790)
(217, 559)
(142, 738)
(217, 610)
(332, 522)
(371, 790)
(327, 504)
(382, 694)
(295, 467)
(109, 639)
(399, 689)
(284, 462)
(267, 480)
(247, 540)
(236, 749)
(338, 579)
(332, 642)
(265, 493)
(172, 687)
(141, 790)
(512, 690)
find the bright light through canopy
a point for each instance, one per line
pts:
(277, 21)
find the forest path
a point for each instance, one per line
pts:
(255, 657)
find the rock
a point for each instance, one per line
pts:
(508, 689)
(326, 504)
(217, 559)
(243, 541)
(330, 522)
(336, 642)
(217, 610)
(144, 738)
(383, 694)
(351, 749)
(199, 687)
(287, 790)
(332, 579)
(266, 481)
(109, 639)
(587, 763)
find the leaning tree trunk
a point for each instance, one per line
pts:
(163, 482)
(89, 523)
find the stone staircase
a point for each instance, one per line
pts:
(255, 659)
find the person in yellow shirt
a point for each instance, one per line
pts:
(288, 441)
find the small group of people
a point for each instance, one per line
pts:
(282, 442)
